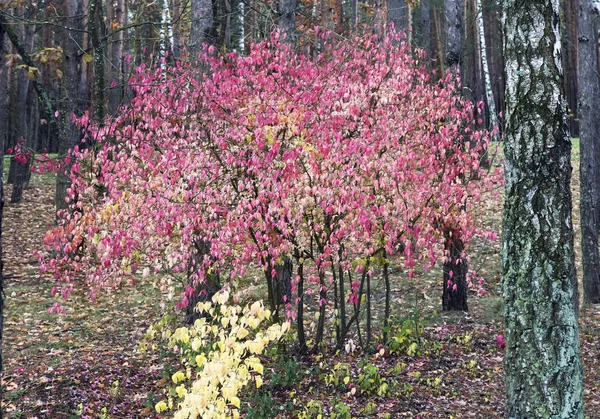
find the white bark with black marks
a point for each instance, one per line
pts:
(543, 370)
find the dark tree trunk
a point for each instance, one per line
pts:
(589, 104)
(2, 144)
(202, 24)
(456, 267)
(492, 16)
(3, 91)
(543, 370)
(70, 101)
(20, 170)
(455, 32)
(202, 290)
(424, 38)
(115, 68)
(570, 62)
(287, 19)
(282, 284)
(396, 14)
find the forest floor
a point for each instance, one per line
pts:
(85, 363)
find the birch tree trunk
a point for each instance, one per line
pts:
(589, 135)
(489, 94)
(543, 370)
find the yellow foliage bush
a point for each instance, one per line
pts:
(219, 353)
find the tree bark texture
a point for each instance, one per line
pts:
(543, 370)
(396, 14)
(21, 171)
(203, 290)
(589, 134)
(202, 24)
(456, 267)
(570, 62)
(455, 32)
(287, 19)
(73, 13)
(3, 51)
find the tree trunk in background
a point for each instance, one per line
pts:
(20, 170)
(589, 131)
(3, 51)
(543, 370)
(470, 65)
(114, 75)
(73, 13)
(489, 94)
(287, 19)
(177, 41)
(424, 40)
(238, 37)
(456, 267)
(570, 62)
(202, 291)
(396, 14)
(437, 41)
(4, 70)
(457, 59)
(455, 32)
(492, 16)
(202, 24)
(283, 283)
(99, 84)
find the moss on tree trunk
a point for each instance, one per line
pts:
(543, 369)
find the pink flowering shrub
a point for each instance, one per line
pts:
(337, 163)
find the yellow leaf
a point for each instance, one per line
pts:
(235, 401)
(87, 58)
(161, 407)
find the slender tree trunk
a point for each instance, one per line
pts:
(492, 14)
(73, 13)
(3, 92)
(300, 308)
(3, 138)
(21, 170)
(489, 94)
(200, 291)
(570, 62)
(115, 68)
(455, 291)
(338, 15)
(99, 104)
(543, 370)
(425, 41)
(177, 10)
(237, 27)
(589, 124)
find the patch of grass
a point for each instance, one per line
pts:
(17, 394)
(492, 308)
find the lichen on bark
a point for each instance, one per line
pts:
(543, 369)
